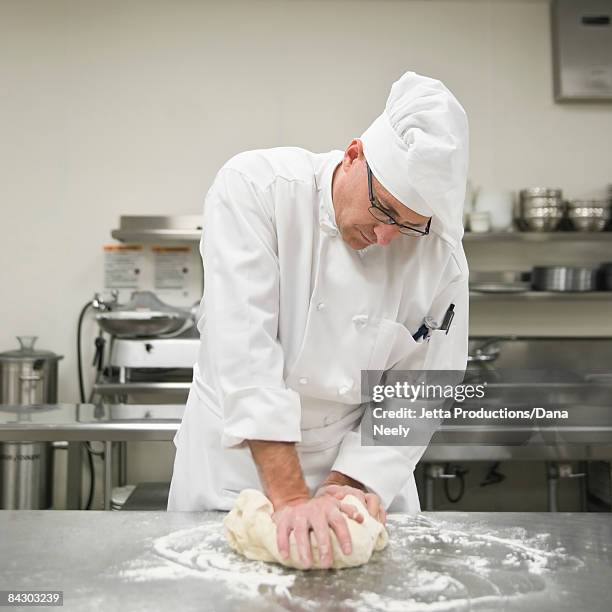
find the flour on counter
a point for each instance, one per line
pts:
(429, 566)
(202, 552)
(447, 568)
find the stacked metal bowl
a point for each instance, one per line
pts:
(540, 209)
(588, 215)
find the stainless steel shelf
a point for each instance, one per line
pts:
(157, 235)
(591, 296)
(189, 228)
(194, 235)
(538, 237)
(159, 228)
(104, 388)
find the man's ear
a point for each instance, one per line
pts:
(360, 147)
(353, 152)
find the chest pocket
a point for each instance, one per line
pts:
(395, 345)
(439, 353)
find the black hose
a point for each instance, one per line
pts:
(88, 450)
(460, 475)
(92, 478)
(79, 354)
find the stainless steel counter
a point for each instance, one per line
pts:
(435, 561)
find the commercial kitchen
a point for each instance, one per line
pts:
(116, 120)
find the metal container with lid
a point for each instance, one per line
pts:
(27, 376)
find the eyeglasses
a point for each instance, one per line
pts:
(380, 214)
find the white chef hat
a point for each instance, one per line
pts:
(418, 150)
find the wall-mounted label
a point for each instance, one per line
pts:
(172, 271)
(123, 266)
(172, 266)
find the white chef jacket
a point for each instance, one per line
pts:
(290, 317)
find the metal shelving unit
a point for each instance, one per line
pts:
(180, 228)
(127, 388)
(538, 236)
(595, 296)
(189, 228)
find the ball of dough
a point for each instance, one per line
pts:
(250, 531)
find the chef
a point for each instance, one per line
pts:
(319, 266)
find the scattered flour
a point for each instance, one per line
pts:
(446, 568)
(430, 566)
(202, 552)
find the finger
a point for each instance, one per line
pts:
(323, 538)
(382, 516)
(282, 538)
(346, 490)
(301, 531)
(373, 504)
(351, 512)
(359, 494)
(327, 490)
(338, 524)
(340, 491)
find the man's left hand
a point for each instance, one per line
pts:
(370, 500)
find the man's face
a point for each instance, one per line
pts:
(357, 226)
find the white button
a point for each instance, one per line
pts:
(303, 381)
(321, 306)
(346, 387)
(360, 321)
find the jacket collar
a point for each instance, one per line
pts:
(324, 171)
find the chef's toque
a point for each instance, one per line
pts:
(418, 150)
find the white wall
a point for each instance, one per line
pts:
(129, 107)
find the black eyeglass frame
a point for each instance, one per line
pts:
(389, 220)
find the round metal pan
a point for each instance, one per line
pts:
(563, 278)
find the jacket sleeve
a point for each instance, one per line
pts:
(240, 311)
(386, 469)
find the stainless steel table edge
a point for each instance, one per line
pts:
(119, 431)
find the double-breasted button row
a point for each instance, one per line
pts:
(342, 390)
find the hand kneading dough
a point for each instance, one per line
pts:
(250, 530)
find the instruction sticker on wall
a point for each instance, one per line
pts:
(123, 264)
(175, 269)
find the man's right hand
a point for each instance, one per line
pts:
(318, 514)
